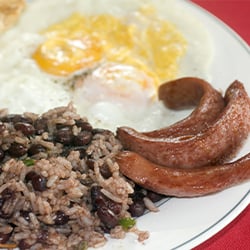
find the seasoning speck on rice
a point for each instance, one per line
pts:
(59, 185)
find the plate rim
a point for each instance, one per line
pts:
(242, 203)
(237, 209)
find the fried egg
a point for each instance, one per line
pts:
(108, 57)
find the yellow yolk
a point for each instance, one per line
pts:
(148, 43)
(63, 56)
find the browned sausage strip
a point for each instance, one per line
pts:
(222, 138)
(183, 182)
(188, 92)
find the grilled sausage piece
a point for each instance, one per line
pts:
(211, 146)
(188, 92)
(183, 182)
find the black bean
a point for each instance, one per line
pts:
(14, 118)
(100, 200)
(138, 194)
(43, 236)
(83, 138)
(105, 229)
(2, 200)
(26, 120)
(90, 163)
(137, 208)
(6, 196)
(41, 125)
(4, 119)
(22, 245)
(105, 171)
(115, 207)
(7, 193)
(17, 150)
(98, 131)
(5, 215)
(36, 149)
(4, 237)
(1, 203)
(30, 175)
(65, 152)
(38, 181)
(107, 210)
(67, 149)
(83, 125)
(64, 136)
(138, 189)
(107, 216)
(95, 193)
(61, 218)
(82, 152)
(26, 128)
(154, 197)
(2, 154)
(25, 215)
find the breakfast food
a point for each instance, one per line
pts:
(188, 92)
(65, 180)
(10, 12)
(215, 144)
(59, 185)
(82, 42)
(64, 184)
(183, 182)
(126, 63)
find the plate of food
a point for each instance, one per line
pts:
(123, 124)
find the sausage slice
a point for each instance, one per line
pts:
(183, 182)
(188, 92)
(208, 147)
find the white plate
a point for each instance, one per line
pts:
(185, 223)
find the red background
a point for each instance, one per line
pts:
(236, 14)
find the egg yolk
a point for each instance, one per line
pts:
(63, 56)
(148, 43)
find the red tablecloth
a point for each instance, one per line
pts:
(236, 14)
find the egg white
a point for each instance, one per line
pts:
(25, 87)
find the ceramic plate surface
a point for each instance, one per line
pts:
(185, 223)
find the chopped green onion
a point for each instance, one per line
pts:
(127, 223)
(29, 162)
(83, 245)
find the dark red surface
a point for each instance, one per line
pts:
(236, 14)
